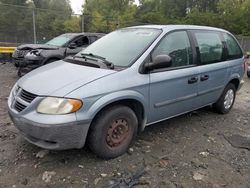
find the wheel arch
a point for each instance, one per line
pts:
(235, 81)
(135, 102)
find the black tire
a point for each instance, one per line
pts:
(19, 73)
(16, 64)
(221, 106)
(110, 123)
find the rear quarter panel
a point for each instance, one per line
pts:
(235, 70)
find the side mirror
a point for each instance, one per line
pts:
(72, 45)
(159, 62)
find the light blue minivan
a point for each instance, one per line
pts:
(127, 80)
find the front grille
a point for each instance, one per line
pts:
(19, 107)
(27, 96)
(20, 53)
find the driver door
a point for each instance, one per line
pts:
(173, 90)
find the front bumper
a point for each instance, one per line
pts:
(17, 61)
(27, 63)
(24, 66)
(52, 136)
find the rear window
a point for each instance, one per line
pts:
(234, 50)
(210, 46)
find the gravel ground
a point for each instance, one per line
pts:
(193, 150)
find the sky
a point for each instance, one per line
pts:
(77, 5)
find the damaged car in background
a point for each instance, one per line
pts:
(30, 56)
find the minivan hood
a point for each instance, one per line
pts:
(37, 46)
(60, 78)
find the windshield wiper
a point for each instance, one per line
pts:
(103, 59)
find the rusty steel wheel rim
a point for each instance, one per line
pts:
(117, 133)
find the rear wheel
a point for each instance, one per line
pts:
(113, 131)
(226, 100)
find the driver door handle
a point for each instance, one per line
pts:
(193, 80)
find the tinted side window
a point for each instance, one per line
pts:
(233, 48)
(210, 46)
(83, 41)
(177, 46)
(93, 38)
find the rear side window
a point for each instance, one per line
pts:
(210, 46)
(234, 50)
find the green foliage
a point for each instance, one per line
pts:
(106, 15)
(98, 22)
(235, 15)
(72, 24)
(54, 17)
(17, 21)
(196, 17)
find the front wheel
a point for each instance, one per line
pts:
(226, 100)
(113, 131)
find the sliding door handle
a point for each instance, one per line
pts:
(204, 78)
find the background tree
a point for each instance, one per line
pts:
(54, 17)
(17, 23)
(14, 22)
(108, 14)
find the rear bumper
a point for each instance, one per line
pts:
(53, 137)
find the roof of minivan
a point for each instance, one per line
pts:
(174, 27)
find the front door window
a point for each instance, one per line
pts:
(177, 46)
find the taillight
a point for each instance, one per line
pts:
(245, 62)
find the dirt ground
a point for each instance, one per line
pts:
(193, 150)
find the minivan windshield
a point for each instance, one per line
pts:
(123, 46)
(60, 40)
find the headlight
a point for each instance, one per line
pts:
(13, 93)
(54, 105)
(15, 89)
(36, 52)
